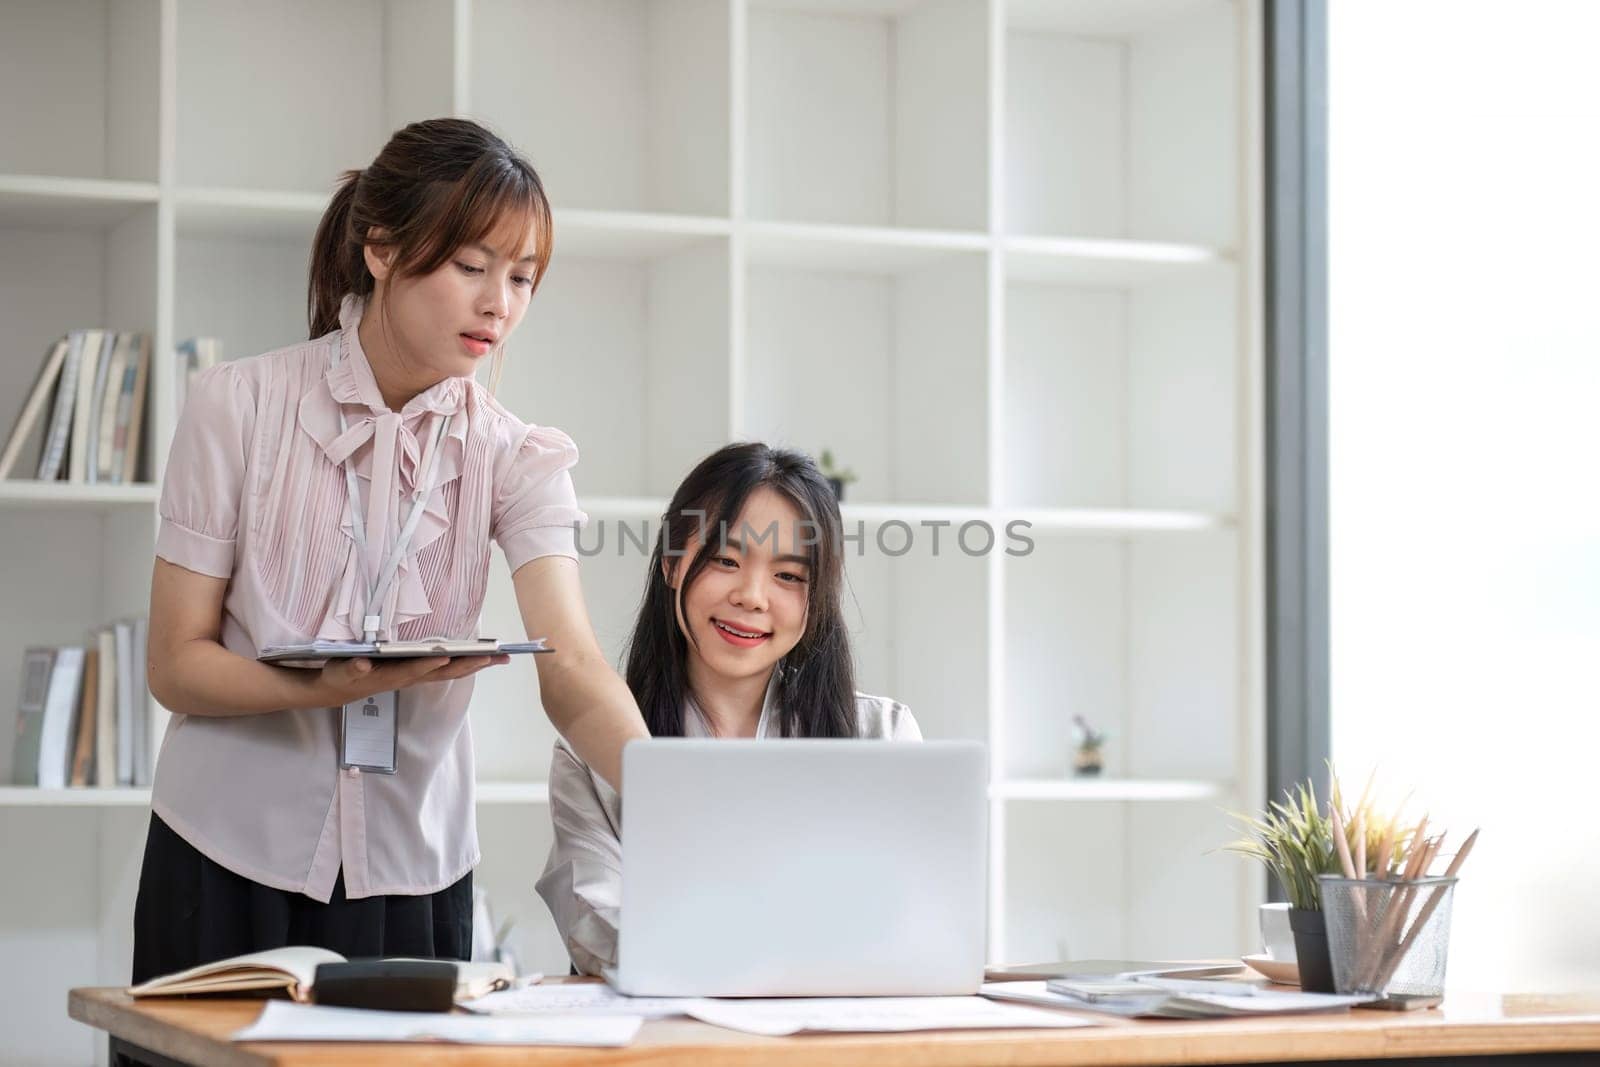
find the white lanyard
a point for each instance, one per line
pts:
(372, 620)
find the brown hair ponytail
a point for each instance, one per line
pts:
(436, 186)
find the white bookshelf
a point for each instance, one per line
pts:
(1001, 256)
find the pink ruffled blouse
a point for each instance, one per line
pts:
(255, 493)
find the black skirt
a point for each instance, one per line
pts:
(191, 910)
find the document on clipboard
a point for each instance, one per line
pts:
(314, 654)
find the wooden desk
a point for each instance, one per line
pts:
(1514, 1029)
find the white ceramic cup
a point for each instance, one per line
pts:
(1276, 936)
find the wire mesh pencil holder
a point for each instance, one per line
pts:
(1388, 938)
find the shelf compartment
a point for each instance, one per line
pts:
(632, 235)
(1123, 398)
(854, 249)
(71, 568)
(634, 120)
(1093, 522)
(22, 493)
(913, 602)
(29, 201)
(1139, 637)
(1130, 880)
(360, 70)
(1102, 18)
(506, 707)
(871, 115)
(631, 358)
(81, 79)
(22, 796)
(919, 334)
(1101, 262)
(53, 280)
(254, 214)
(1108, 789)
(244, 286)
(1122, 121)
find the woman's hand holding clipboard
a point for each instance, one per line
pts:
(352, 670)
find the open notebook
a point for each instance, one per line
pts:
(293, 969)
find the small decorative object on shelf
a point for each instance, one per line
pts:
(837, 477)
(1087, 758)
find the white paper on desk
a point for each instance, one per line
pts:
(577, 998)
(283, 1020)
(775, 1018)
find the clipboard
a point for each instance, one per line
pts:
(316, 654)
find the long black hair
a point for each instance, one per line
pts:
(816, 694)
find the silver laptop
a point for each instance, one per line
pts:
(802, 868)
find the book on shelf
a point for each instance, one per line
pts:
(52, 680)
(129, 428)
(87, 403)
(53, 453)
(33, 405)
(85, 409)
(125, 723)
(88, 707)
(105, 731)
(83, 713)
(37, 664)
(139, 713)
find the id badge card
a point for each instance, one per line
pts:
(368, 738)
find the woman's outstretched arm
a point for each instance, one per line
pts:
(587, 702)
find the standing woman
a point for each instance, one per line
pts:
(348, 487)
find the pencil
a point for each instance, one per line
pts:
(1361, 842)
(1393, 964)
(1341, 845)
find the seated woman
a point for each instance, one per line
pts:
(740, 634)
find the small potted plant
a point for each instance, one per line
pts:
(1297, 843)
(1294, 841)
(1087, 757)
(837, 477)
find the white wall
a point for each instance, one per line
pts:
(1465, 380)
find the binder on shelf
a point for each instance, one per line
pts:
(33, 406)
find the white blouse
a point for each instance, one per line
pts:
(582, 880)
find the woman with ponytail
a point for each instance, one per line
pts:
(348, 487)
(741, 634)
